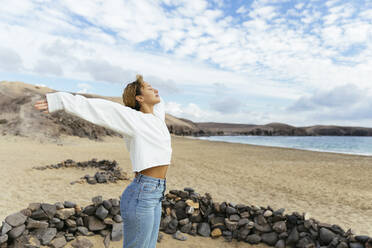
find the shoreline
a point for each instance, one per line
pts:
(301, 149)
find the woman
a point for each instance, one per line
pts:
(142, 123)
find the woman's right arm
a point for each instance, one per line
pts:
(105, 113)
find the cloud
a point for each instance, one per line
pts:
(10, 60)
(48, 67)
(345, 102)
(102, 70)
(84, 88)
(227, 105)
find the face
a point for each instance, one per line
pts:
(150, 95)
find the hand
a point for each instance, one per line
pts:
(42, 105)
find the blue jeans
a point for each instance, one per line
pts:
(140, 208)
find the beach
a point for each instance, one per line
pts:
(332, 188)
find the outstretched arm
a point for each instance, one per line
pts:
(112, 115)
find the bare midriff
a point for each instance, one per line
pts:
(157, 171)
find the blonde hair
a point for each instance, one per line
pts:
(131, 91)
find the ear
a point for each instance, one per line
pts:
(139, 98)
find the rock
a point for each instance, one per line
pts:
(280, 244)
(31, 223)
(49, 209)
(107, 204)
(178, 235)
(94, 224)
(16, 231)
(243, 233)
(83, 230)
(160, 236)
(279, 211)
(356, 245)
(216, 233)
(89, 210)
(101, 212)
(184, 221)
(193, 204)
(16, 219)
(3, 238)
(231, 210)
(39, 214)
(65, 213)
(342, 245)
(305, 242)
(188, 189)
(293, 237)
(59, 205)
(114, 210)
(269, 238)
(69, 204)
(108, 221)
(91, 180)
(59, 242)
(234, 217)
(106, 241)
(117, 232)
(5, 228)
(326, 236)
(268, 213)
(97, 200)
(70, 223)
(280, 227)
(46, 235)
(115, 202)
(186, 228)
(231, 225)
(204, 229)
(243, 222)
(118, 219)
(34, 206)
(283, 235)
(253, 239)
(361, 238)
(81, 242)
(263, 228)
(172, 226)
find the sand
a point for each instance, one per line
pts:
(333, 188)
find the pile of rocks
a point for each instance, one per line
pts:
(109, 171)
(183, 211)
(188, 212)
(56, 224)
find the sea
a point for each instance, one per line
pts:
(338, 144)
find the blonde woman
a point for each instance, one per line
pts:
(142, 123)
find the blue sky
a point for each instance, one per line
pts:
(297, 62)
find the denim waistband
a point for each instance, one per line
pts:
(144, 178)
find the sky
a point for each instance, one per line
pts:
(297, 62)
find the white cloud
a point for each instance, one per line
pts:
(84, 88)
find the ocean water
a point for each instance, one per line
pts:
(338, 144)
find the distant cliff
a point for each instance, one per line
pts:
(18, 117)
(276, 129)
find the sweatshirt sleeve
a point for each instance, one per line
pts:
(105, 113)
(159, 109)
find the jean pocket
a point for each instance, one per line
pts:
(149, 187)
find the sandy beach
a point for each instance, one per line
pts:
(333, 188)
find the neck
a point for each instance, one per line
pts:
(147, 109)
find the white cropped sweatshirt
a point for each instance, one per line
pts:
(146, 135)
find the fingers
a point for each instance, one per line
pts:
(42, 105)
